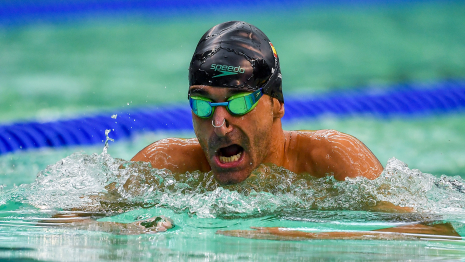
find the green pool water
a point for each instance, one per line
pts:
(197, 241)
(57, 70)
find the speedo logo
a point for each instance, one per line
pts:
(226, 70)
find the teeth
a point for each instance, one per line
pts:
(225, 159)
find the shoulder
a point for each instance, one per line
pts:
(176, 154)
(331, 139)
(330, 152)
(320, 140)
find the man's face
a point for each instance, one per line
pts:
(242, 143)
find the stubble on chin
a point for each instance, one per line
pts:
(231, 177)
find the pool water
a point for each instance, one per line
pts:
(58, 70)
(196, 240)
(54, 180)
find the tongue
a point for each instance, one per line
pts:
(231, 150)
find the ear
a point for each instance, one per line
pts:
(278, 108)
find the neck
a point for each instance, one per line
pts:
(278, 145)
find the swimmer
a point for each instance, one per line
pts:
(235, 93)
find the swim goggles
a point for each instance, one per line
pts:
(238, 105)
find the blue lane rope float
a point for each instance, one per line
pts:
(30, 11)
(397, 101)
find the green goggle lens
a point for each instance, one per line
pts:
(239, 104)
(201, 107)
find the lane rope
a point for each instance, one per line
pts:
(401, 100)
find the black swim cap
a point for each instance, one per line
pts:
(239, 55)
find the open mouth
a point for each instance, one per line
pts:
(230, 153)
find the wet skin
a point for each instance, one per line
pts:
(255, 138)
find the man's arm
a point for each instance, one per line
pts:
(83, 221)
(175, 154)
(335, 153)
(420, 231)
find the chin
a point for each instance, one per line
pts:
(229, 178)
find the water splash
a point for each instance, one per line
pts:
(105, 148)
(99, 182)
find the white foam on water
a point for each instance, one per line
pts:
(82, 181)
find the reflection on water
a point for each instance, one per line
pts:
(271, 197)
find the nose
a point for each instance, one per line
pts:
(220, 121)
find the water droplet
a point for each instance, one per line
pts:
(105, 148)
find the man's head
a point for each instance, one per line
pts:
(236, 66)
(238, 55)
